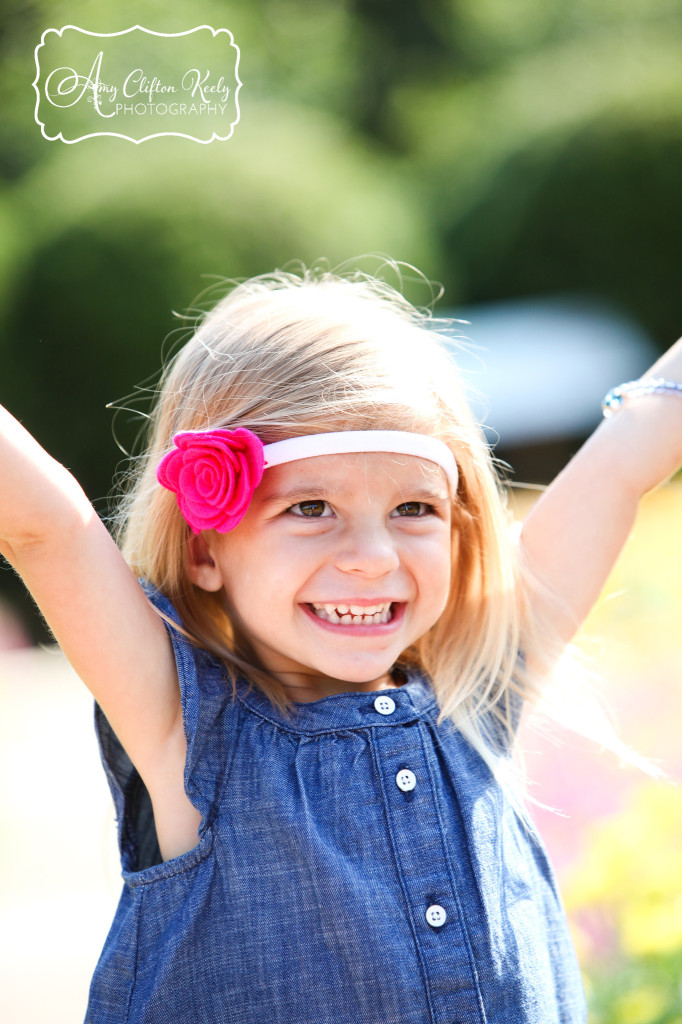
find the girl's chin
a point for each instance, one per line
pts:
(309, 690)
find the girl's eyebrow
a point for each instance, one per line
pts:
(422, 492)
(304, 491)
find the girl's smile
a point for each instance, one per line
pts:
(355, 612)
(340, 564)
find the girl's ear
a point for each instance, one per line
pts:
(201, 567)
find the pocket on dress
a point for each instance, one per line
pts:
(174, 866)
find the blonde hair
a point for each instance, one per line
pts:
(288, 354)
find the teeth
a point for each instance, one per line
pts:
(353, 614)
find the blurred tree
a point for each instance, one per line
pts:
(596, 212)
(85, 311)
(556, 168)
(398, 42)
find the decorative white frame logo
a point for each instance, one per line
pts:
(201, 98)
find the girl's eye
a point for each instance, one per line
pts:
(314, 509)
(413, 509)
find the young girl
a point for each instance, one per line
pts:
(309, 684)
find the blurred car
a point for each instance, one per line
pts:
(538, 370)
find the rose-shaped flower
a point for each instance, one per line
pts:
(213, 474)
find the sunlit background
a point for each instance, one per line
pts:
(525, 155)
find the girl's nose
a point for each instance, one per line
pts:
(368, 549)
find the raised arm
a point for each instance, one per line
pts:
(96, 609)
(577, 528)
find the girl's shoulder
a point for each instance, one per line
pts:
(195, 664)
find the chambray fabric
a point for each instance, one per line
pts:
(306, 897)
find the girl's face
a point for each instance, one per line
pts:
(340, 564)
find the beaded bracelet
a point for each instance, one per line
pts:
(644, 386)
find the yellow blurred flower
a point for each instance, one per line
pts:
(632, 871)
(640, 1006)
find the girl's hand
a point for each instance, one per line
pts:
(576, 530)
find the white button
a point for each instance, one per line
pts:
(436, 916)
(385, 705)
(406, 780)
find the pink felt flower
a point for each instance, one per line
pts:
(213, 474)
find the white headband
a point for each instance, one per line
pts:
(342, 442)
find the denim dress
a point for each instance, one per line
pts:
(357, 864)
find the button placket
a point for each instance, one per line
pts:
(403, 754)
